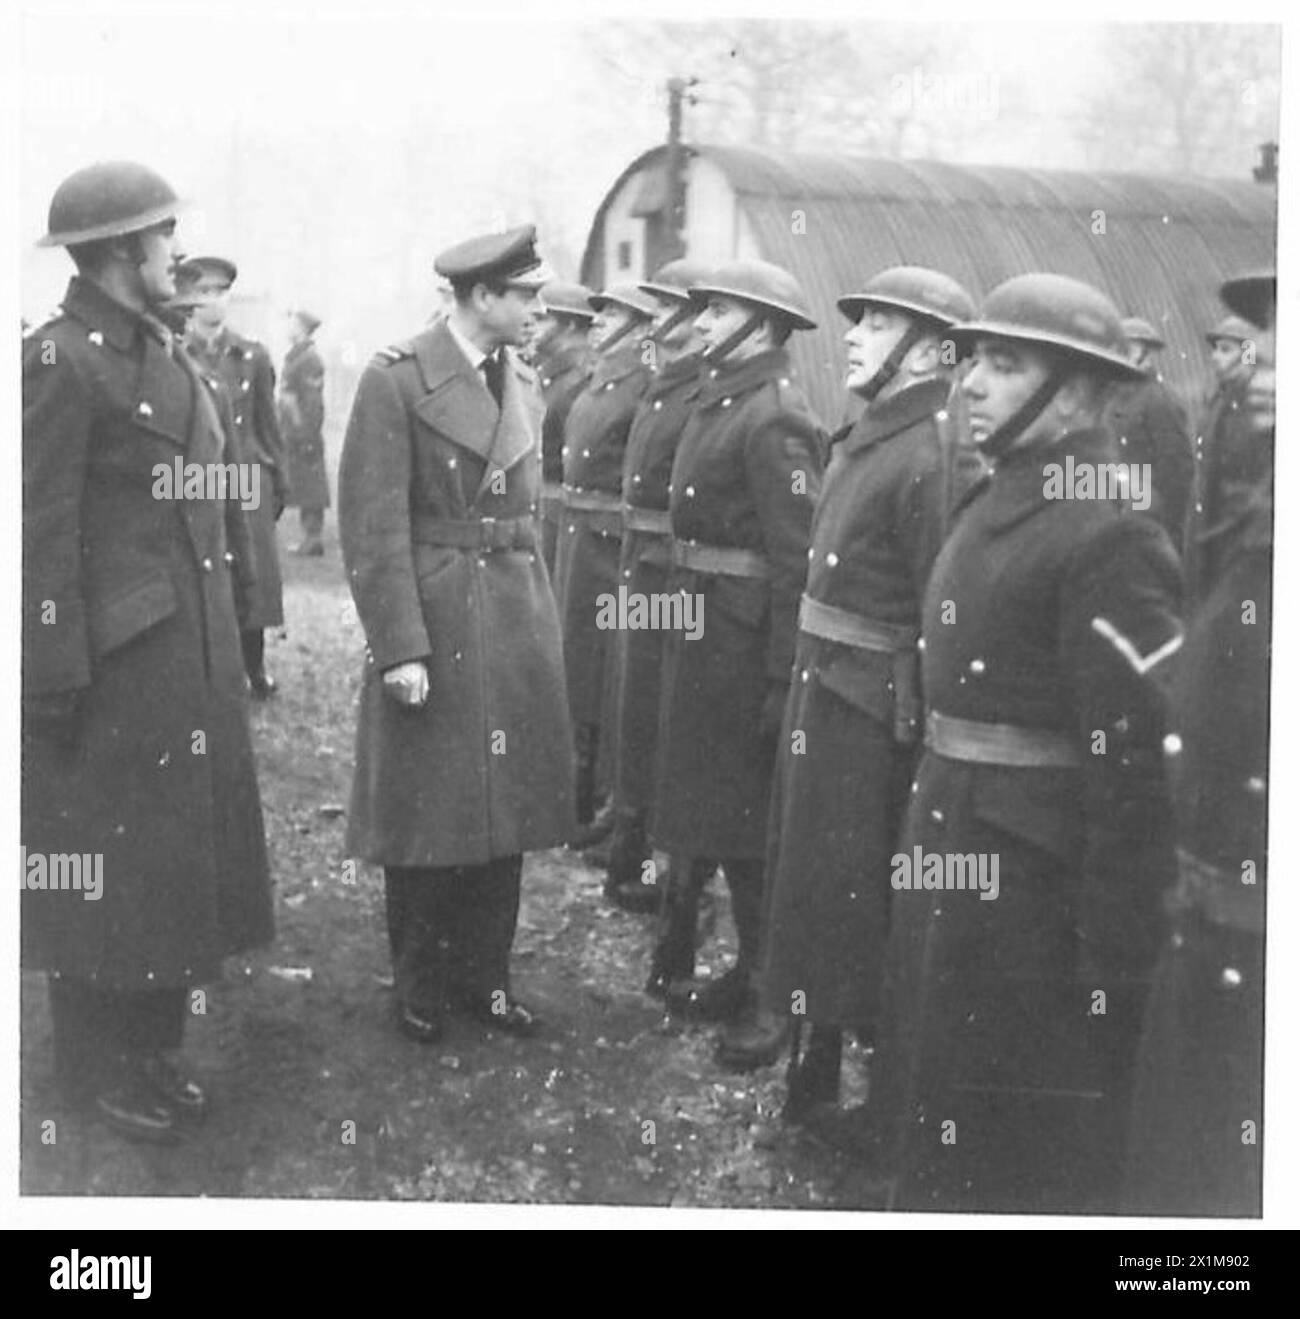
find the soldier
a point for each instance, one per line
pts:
(136, 751)
(562, 358)
(744, 481)
(1026, 908)
(586, 564)
(1150, 427)
(464, 759)
(643, 573)
(244, 368)
(1233, 456)
(852, 724)
(1197, 1139)
(302, 406)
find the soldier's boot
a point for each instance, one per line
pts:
(726, 997)
(753, 1036)
(813, 1078)
(672, 964)
(630, 880)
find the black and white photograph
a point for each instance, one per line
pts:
(648, 610)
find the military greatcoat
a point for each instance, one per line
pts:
(302, 402)
(129, 618)
(438, 493)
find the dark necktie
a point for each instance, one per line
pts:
(494, 375)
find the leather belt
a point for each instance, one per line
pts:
(819, 619)
(501, 534)
(719, 560)
(1217, 894)
(1000, 744)
(651, 521)
(552, 500)
(596, 509)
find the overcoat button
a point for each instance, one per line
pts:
(658, 404)
(227, 557)
(96, 338)
(832, 559)
(207, 565)
(144, 409)
(1231, 977)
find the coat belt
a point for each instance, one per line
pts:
(475, 533)
(655, 521)
(596, 509)
(1219, 895)
(720, 560)
(819, 619)
(1000, 744)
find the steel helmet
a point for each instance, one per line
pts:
(1055, 311)
(193, 268)
(761, 285)
(1234, 328)
(1138, 330)
(1253, 295)
(625, 295)
(675, 279)
(915, 290)
(562, 299)
(107, 200)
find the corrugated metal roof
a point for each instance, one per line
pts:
(1167, 242)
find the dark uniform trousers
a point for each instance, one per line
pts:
(450, 929)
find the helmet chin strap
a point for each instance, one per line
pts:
(736, 337)
(890, 367)
(1002, 438)
(682, 314)
(621, 333)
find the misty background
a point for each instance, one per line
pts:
(332, 157)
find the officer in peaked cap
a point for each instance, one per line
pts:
(130, 644)
(1151, 429)
(745, 477)
(464, 758)
(302, 419)
(841, 788)
(643, 571)
(1234, 443)
(561, 356)
(244, 368)
(1038, 838)
(591, 530)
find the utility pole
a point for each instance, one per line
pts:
(676, 165)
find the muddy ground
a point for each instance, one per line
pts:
(608, 1106)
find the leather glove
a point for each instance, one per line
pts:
(408, 683)
(773, 715)
(55, 716)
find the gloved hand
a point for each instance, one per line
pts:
(773, 711)
(408, 683)
(55, 716)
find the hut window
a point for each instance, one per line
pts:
(625, 256)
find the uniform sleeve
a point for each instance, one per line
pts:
(375, 521)
(239, 536)
(784, 469)
(56, 431)
(266, 418)
(1127, 576)
(921, 513)
(1172, 463)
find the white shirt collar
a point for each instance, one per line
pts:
(471, 350)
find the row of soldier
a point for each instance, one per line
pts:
(897, 658)
(786, 745)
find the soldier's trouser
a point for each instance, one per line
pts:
(96, 1027)
(587, 743)
(745, 883)
(252, 642)
(679, 907)
(450, 929)
(312, 521)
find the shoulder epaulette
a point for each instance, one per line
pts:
(393, 353)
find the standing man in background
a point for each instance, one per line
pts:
(591, 532)
(302, 400)
(561, 356)
(244, 368)
(464, 759)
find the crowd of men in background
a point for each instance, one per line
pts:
(981, 761)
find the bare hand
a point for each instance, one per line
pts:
(408, 684)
